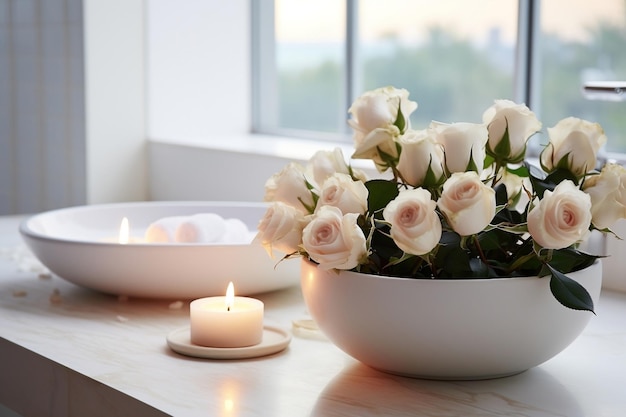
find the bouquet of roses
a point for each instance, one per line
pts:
(452, 201)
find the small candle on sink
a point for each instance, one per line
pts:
(226, 322)
(124, 235)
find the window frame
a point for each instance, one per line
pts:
(264, 76)
(526, 88)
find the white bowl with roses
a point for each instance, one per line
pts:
(426, 269)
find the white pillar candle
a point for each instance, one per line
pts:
(226, 322)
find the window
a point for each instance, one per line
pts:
(315, 56)
(587, 45)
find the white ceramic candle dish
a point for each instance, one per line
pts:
(80, 245)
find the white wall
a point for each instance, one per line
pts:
(115, 101)
(198, 68)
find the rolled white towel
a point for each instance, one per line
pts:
(201, 228)
(163, 230)
(237, 232)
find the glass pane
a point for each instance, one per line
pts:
(310, 49)
(585, 44)
(455, 57)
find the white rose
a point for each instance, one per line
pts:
(574, 145)
(324, 164)
(420, 153)
(520, 122)
(415, 225)
(289, 186)
(341, 191)
(374, 116)
(468, 204)
(513, 183)
(334, 240)
(281, 228)
(608, 195)
(561, 218)
(379, 109)
(380, 146)
(463, 145)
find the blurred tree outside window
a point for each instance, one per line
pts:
(454, 57)
(588, 43)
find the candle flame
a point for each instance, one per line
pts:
(124, 232)
(230, 296)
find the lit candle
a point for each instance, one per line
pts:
(226, 322)
(124, 236)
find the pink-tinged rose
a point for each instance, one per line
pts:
(281, 228)
(324, 164)
(574, 145)
(415, 225)
(520, 122)
(467, 203)
(341, 191)
(290, 187)
(334, 240)
(374, 117)
(420, 154)
(379, 109)
(608, 195)
(463, 145)
(561, 218)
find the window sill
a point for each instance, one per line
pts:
(259, 145)
(228, 168)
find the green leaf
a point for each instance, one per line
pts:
(430, 180)
(521, 171)
(569, 292)
(502, 196)
(452, 261)
(400, 122)
(564, 162)
(488, 161)
(542, 183)
(381, 192)
(561, 175)
(571, 259)
(503, 148)
(471, 164)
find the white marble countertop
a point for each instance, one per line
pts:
(65, 351)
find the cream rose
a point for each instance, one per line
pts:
(281, 228)
(421, 155)
(463, 145)
(608, 195)
(341, 191)
(513, 183)
(415, 225)
(289, 186)
(380, 146)
(379, 109)
(374, 117)
(334, 240)
(521, 124)
(323, 164)
(574, 145)
(561, 218)
(468, 204)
